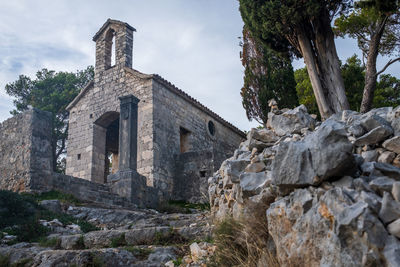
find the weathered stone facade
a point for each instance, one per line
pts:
(25, 151)
(169, 124)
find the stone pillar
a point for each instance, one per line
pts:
(128, 123)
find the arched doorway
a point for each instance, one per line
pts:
(106, 145)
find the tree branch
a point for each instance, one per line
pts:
(387, 65)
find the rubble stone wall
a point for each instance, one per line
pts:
(329, 191)
(25, 151)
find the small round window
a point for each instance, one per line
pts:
(211, 128)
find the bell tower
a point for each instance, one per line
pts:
(114, 40)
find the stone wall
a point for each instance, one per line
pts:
(320, 193)
(25, 151)
(191, 175)
(172, 112)
(26, 162)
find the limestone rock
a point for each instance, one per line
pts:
(231, 170)
(374, 136)
(371, 155)
(370, 122)
(386, 157)
(392, 144)
(196, 251)
(311, 227)
(394, 228)
(70, 242)
(263, 135)
(392, 252)
(322, 154)
(291, 121)
(390, 209)
(396, 191)
(253, 183)
(64, 258)
(382, 184)
(255, 167)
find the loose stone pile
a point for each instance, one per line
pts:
(330, 190)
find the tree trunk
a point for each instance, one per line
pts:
(370, 71)
(317, 46)
(320, 92)
(329, 65)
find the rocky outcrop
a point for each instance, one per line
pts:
(330, 191)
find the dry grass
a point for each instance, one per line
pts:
(244, 242)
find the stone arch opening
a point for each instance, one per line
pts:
(110, 48)
(106, 146)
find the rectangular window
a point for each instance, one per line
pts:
(79, 156)
(184, 139)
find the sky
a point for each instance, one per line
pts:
(192, 43)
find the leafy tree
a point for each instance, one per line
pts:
(387, 92)
(376, 26)
(267, 75)
(353, 72)
(303, 29)
(50, 91)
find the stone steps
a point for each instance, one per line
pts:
(134, 237)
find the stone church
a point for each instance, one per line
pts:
(139, 133)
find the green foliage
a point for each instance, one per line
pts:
(118, 241)
(387, 92)
(4, 260)
(178, 261)
(267, 75)
(139, 252)
(20, 215)
(15, 209)
(80, 244)
(50, 91)
(305, 91)
(277, 23)
(353, 73)
(363, 21)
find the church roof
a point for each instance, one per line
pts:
(171, 87)
(108, 22)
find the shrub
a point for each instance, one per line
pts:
(4, 260)
(243, 243)
(20, 215)
(118, 241)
